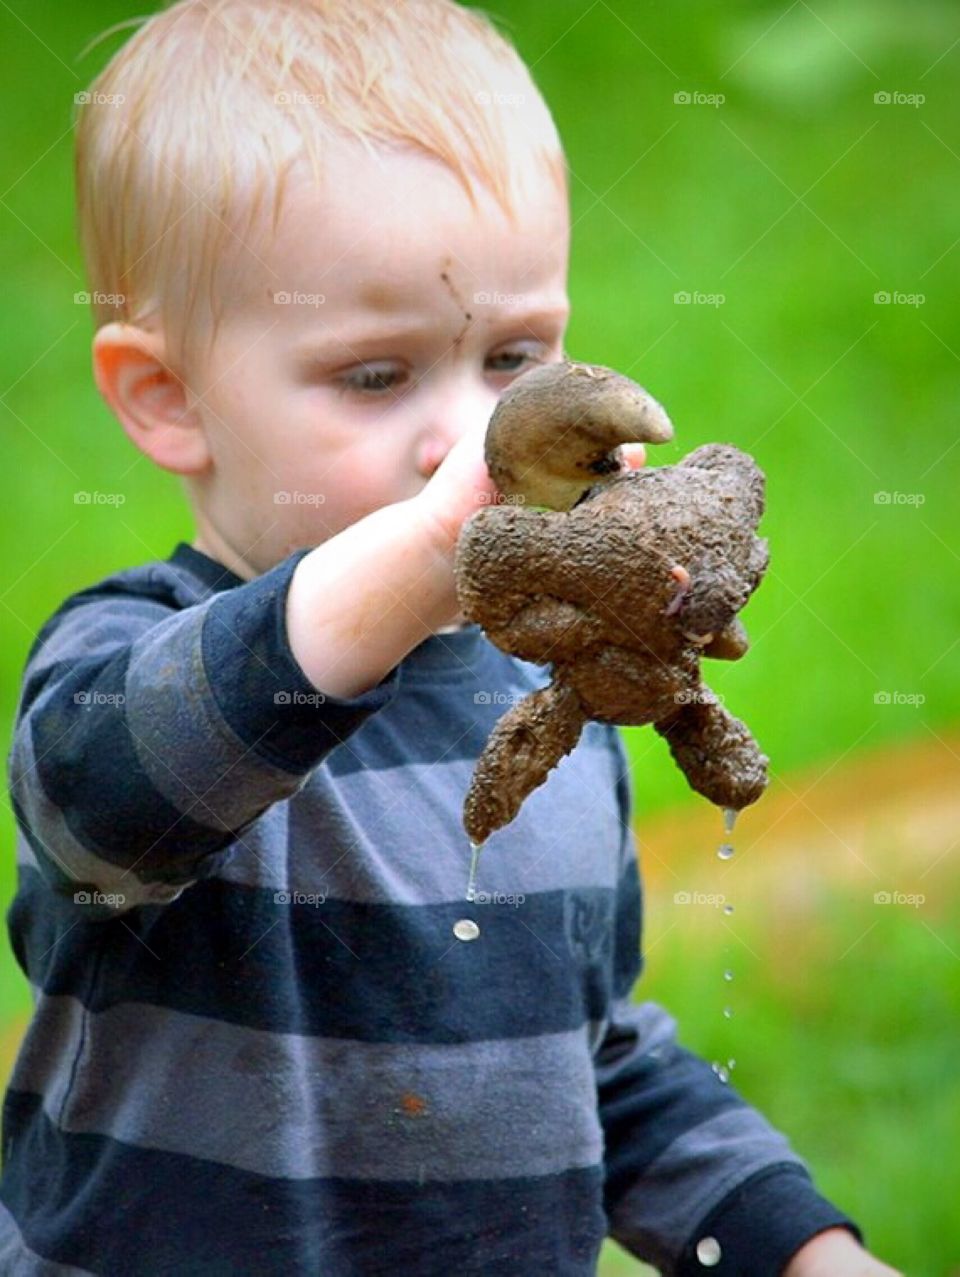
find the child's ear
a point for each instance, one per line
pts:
(148, 398)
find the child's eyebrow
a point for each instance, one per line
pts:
(330, 338)
(353, 337)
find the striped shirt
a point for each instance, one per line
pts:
(258, 1046)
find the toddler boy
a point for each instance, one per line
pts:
(322, 237)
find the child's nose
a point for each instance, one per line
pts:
(431, 454)
(453, 419)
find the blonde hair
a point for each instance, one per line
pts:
(195, 123)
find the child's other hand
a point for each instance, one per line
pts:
(836, 1253)
(634, 455)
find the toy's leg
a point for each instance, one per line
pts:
(716, 752)
(524, 746)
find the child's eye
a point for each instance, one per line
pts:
(374, 379)
(380, 379)
(511, 360)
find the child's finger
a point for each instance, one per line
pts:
(634, 455)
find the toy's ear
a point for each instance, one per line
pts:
(740, 470)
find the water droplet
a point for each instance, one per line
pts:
(708, 1252)
(728, 1013)
(728, 909)
(466, 929)
(731, 1064)
(722, 1074)
(726, 851)
(729, 818)
(728, 976)
(475, 848)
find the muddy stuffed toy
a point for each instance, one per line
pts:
(621, 581)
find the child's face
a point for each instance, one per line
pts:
(408, 315)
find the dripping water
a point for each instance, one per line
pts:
(466, 929)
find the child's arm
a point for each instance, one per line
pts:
(686, 1157)
(149, 738)
(361, 601)
(394, 569)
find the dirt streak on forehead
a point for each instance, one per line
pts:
(377, 293)
(380, 294)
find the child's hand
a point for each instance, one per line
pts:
(836, 1253)
(462, 484)
(360, 601)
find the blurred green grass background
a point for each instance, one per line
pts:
(798, 199)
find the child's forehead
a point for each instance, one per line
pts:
(383, 227)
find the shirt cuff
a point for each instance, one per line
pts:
(259, 686)
(760, 1226)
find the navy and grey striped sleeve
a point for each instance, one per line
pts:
(149, 737)
(688, 1162)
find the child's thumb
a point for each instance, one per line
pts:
(461, 483)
